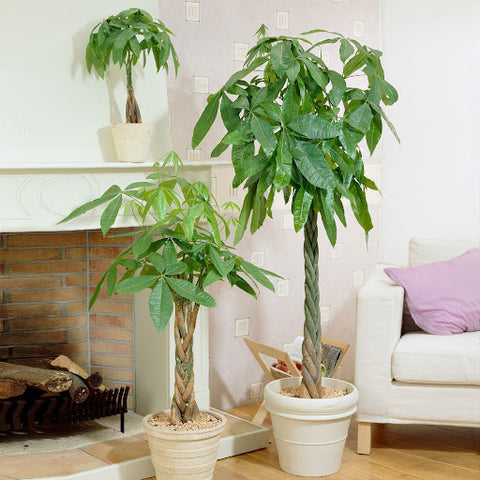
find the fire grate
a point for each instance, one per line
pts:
(50, 412)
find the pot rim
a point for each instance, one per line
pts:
(305, 406)
(161, 431)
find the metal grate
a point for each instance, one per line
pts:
(50, 412)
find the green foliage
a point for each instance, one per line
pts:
(178, 249)
(306, 122)
(126, 38)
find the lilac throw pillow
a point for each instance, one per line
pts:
(443, 297)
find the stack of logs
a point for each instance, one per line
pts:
(59, 375)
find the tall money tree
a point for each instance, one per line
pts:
(177, 251)
(297, 128)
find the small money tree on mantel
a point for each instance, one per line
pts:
(297, 129)
(177, 252)
(124, 39)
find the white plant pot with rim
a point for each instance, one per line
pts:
(184, 455)
(309, 433)
(132, 141)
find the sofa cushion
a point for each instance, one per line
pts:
(423, 250)
(438, 359)
(443, 297)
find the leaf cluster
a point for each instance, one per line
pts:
(126, 38)
(297, 127)
(178, 249)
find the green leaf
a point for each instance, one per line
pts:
(246, 164)
(97, 290)
(359, 205)
(346, 49)
(263, 132)
(112, 192)
(191, 292)
(354, 64)
(257, 274)
(374, 133)
(387, 121)
(217, 261)
(244, 215)
(360, 118)
(313, 166)
(206, 120)
(326, 207)
(161, 204)
(281, 56)
(243, 73)
(110, 214)
(170, 253)
(342, 160)
(136, 284)
(318, 75)
(293, 70)
(230, 114)
(271, 110)
(338, 87)
(111, 279)
(291, 104)
(241, 283)
(212, 276)
(314, 127)
(158, 262)
(175, 268)
(136, 185)
(141, 244)
(390, 94)
(161, 305)
(119, 46)
(283, 162)
(301, 204)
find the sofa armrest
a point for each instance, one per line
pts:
(379, 325)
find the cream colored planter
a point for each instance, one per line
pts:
(132, 141)
(184, 455)
(310, 434)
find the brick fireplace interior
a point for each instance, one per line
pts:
(46, 280)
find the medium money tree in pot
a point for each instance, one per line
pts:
(177, 251)
(126, 39)
(297, 129)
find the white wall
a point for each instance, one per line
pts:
(431, 183)
(52, 110)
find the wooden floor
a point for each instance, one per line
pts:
(400, 452)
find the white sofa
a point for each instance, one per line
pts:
(412, 377)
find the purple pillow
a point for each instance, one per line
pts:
(443, 297)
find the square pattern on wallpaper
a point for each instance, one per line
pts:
(212, 38)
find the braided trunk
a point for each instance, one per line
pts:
(312, 345)
(184, 407)
(132, 110)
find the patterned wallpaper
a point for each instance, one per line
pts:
(212, 38)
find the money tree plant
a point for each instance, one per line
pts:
(297, 129)
(124, 39)
(178, 250)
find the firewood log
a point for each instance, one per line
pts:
(11, 388)
(43, 379)
(78, 391)
(63, 362)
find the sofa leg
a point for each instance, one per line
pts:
(364, 441)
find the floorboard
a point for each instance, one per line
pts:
(399, 452)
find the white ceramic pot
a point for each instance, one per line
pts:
(132, 141)
(184, 455)
(310, 434)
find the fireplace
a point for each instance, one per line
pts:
(47, 275)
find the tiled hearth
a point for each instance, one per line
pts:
(45, 283)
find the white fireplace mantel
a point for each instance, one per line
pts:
(34, 197)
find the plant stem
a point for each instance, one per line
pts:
(312, 345)
(184, 407)
(132, 110)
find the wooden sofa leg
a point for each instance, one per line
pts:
(364, 441)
